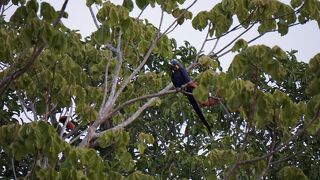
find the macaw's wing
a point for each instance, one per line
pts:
(196, 107)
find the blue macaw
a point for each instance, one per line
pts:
(180, 77)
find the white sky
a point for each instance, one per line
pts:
(303, 38)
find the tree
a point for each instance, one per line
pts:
(131, 122)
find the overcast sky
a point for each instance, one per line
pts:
(303, 38)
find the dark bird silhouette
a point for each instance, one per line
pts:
(179, 78)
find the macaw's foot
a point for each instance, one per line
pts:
(212, 101)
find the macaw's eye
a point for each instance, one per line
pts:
(177, 67)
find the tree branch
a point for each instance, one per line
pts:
(105, 86)
(6, 81)
(115, 78)
(13, 169)
(94, 17)
(164, 91)
(231, 42)
(138, 99)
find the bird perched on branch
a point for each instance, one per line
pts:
(181, 79)
(70, 125)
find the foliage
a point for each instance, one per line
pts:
(114, 85)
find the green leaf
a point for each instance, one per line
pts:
(32, 6)
(141, 147)
(20, 15)
(47, 12)
(142, 3)
(200, 21)
(102, 35)
(240, 44)
(128, 4)
(90, 2)
(137, 175)
(201, 93)
(289, 172)
(296, 3)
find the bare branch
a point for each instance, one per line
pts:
(109, 46)
(94, 17)
(137, 70)
(13, 169)
(138, 99)
(63, 8)
(236, 27)
(138, 17)
(214, 47)
(161, 20)
(125, 123)
(204, 42)
(254, 39)
(287, 158)
(236, 38)
(114, 81)
(172, 29)
(105, 86)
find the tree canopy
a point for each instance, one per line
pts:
(129, 122)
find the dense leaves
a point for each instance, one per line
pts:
(110, 86)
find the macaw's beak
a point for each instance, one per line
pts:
(174, 67)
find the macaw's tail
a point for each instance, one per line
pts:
(196, 107)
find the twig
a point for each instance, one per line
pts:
(63, 8)
(214, 47)
(116, 72)
(286, 158)
(138, 17)
(204, 42)
(94, 17)
(109, 46)
(161, 20)
(77, 137)
(236, 27)
(13, 169)
(231, 42)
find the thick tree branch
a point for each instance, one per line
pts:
(137, 70)
(125, 123)
(138, 99)
(115, 77)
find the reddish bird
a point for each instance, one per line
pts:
(70, 125)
